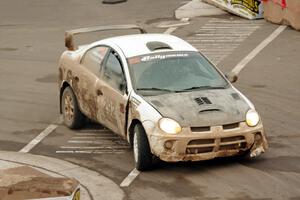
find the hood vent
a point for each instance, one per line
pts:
(236, 96)
(202, 100)
(154, 46)
(209, 110)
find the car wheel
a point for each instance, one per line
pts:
(72, 115)
(141, 149)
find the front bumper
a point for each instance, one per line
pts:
(204, 143)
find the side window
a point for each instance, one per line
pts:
(93, 58)
(113, 73)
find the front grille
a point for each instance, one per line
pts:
(202, 141)
(232, 139)
(199, 150)
(231, 126)
(207, 128)
(233, 143)
(233, 146)
(200, 129)
(207, 145)
(200, 146)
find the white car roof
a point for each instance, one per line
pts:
(134, 45)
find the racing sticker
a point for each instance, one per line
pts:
(250, 9)
(251, 5)
(136, 60)
(162, 56)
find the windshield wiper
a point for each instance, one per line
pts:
(204, 87)
(156, 89)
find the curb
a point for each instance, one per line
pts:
(98, 186)
(197, 8)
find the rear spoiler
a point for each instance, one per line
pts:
(69, 41)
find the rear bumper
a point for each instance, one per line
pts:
(217, 141)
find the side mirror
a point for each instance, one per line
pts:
(231, 77)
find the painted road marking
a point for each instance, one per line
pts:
(92, 134)
(259, 48)
(105, 142)
(92, 131)
(95, 137)
(42, 135)
(220, 37)
(130, 178)
(38, 138)
(172, 28)
(91, 147)
(95, 141)
(88, 152)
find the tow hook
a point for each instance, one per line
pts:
(256, 152)
(258, 147)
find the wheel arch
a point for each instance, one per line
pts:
(130, 133)
(62, 88)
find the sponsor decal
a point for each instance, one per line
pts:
(251, 5)
(162, 56)
(250, 9)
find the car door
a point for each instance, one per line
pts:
(112, 95)
(91, 63)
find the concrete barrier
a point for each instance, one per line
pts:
(283, 12)
(25, 182)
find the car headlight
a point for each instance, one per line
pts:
(252, 118)
(169, 126)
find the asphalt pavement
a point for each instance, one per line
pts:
(31, 40)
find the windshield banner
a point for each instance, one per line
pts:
(250, 9)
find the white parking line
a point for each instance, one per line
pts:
(222, 37)
(91, 134)
(172, 28)
(97, 142)
(130, 178)
(93, 147)
(38, 138)
(255, 51)
(95, 137)
(42, 135)
(89, 152)
(94, 130)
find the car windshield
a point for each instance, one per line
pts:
(174, 72)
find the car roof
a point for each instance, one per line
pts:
(134, 45)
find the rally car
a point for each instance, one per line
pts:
(159, 93)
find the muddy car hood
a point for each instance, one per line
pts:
(201, 108)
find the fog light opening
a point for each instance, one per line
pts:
(258, 138)
(168, 145)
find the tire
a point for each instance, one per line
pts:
(141, 150)
(73, 118)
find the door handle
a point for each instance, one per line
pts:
(99, 92)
